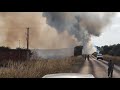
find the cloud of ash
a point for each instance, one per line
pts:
(53, 30)
(81, 25)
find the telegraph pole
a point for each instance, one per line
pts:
(28, 38)
(19, 50)
(19, 43)
(28, 43)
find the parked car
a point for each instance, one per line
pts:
(99, 56)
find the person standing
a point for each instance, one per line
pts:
(85, 56)
(88, 57)
(110, 69)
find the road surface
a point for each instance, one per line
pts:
(98, 68)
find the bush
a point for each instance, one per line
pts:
(115, 59)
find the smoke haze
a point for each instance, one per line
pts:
(82, 25)
(52, 30)
(13, 28)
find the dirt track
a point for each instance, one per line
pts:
(98, 68)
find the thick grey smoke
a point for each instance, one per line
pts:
(52, 30)
(13, 28)
(82, 25)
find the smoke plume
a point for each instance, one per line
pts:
(52, 30)
(82, 25)
(13, 28)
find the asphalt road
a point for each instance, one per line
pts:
(98, 68)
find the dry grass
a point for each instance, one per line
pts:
(36, 68)
(115, 59)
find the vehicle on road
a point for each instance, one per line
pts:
(99, 56)
(68, 75)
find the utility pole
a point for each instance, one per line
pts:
(19, 43)
(28, 38)
(28, 43)
(19, 50)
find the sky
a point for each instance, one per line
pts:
(111, 34)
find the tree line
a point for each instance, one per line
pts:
(6, 53)
(113, 50)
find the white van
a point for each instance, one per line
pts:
(99, 56)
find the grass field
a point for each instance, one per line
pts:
(37, 68)
(115, 59)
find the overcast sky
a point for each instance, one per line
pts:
(111, 34)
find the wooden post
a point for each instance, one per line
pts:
(27, 38)
(28, 43)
